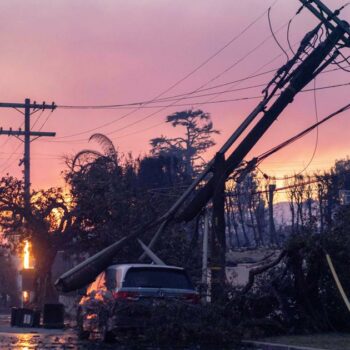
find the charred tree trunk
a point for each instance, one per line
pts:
(234, 221)
(292, 211)
(228, 221)
(252, 222)
(260, 218)
(273, 236)
(320, 207)
(44, 254)
(242, 220)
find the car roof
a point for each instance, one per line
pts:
(128, 266)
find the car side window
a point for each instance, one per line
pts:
(119, 278)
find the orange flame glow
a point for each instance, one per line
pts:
(25, 295)
(26, 255)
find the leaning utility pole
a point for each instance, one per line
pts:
(312, 65)
(290, 79)
(28, 108)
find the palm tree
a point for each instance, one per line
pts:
(109, 151)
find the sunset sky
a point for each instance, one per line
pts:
(85, 52)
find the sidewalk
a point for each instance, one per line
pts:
(5, 327)
(328, 341)
(276, 346)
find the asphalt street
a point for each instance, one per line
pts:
(40, 338)
(55, 339)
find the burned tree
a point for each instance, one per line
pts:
(48, 227)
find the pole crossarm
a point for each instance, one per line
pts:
(28, 109)
(34, 105)
(331, 20)
(23, 133)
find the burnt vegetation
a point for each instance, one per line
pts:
(111, 195)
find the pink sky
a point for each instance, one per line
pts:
(106, 52)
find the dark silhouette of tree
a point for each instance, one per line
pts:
(114, 194)
(109, 151)
(48, 227)
(196, 140)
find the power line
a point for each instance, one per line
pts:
(274, 36)
(182, 79)
(173, 97)
(206, 102)
(185, 94)
(5, 166)
(246, 98)
(46, 120)
(263, 156)
(316, 142)
(143, 106)
(38, 118)
(288, 187)
(162, 108)
(325, 87)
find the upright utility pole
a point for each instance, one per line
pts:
(27, 134)
(205, 248)
(218, 239)
(205, 272)
(26, 158)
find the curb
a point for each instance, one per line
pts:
(275, 346)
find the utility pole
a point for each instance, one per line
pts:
(218, 239)
(205, 248)
(205, 274)
(312, 65)
(290, 80)
(272, 228)
(28, 108)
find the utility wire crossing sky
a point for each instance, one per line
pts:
(121, 68)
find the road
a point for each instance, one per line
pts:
(16, 338)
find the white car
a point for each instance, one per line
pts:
(135, 285)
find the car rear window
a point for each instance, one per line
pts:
(157, 278)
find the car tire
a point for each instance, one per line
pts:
(82, 334)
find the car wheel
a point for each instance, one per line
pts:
(82, 334)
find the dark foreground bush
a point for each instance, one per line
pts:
(176, 324)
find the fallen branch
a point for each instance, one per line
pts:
(261, 269)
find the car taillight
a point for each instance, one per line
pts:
(124, 295)
(192, 298)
